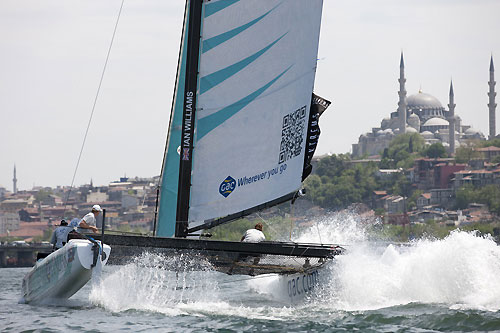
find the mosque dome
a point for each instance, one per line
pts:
(411, 130)
(436, 122)
(425, 106)
(471, 131)
(423, 101)
(427, 135)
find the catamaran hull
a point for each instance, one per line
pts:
(295, 288)
(65, 271)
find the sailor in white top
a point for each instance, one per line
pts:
(254, 235)
(88, 221)
(60, 235)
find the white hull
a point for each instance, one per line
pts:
(63, 272)
(295, 288)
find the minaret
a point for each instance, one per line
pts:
(402, 97)
(491, 94)
(451, 119)
(14, 180)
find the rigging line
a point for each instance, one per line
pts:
(319, 233)
(292, 214)
(120, 233)
(93, 107)
(270, 227)
(267, 223)
(317, 226)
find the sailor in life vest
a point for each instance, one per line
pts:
(254, 235)
(88, 222)
(60, 235)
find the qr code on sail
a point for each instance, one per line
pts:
(292, 134)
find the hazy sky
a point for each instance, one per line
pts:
(52, 53)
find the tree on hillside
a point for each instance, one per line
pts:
(464, 196)
(335, 183)
(331, 166)
(42, 195)
(465, 154)
(404, 148)
(488, 143)
(435, 150)
(412, 200)
(490, 195)
(487, 195)
(402, 185)
(496, 159)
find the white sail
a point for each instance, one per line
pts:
(257, 63)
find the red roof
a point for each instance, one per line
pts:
(25, 232)
(469, 172)
(490, 148)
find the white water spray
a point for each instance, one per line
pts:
(462, 270)
(158, 283)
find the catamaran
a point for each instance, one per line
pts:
(242, 133)
(65, 271)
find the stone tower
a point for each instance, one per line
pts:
(14, 181)
(402, 97)
(451, 119)
(492, 105)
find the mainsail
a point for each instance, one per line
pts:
(241, 110)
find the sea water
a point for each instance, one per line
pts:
(428, 285)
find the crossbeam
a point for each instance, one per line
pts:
(275, 248)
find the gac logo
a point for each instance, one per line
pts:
(227, 186)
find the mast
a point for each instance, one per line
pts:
(189, 109)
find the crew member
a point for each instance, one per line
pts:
(254, 235)
(88, 222)
(60, 235)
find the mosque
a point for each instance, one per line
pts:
(423, 113)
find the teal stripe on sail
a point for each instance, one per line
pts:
(167, 208)
(213, 7)
(207, 124)
(211, 80)
(210, 43)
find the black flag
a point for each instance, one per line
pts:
(318, 106)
